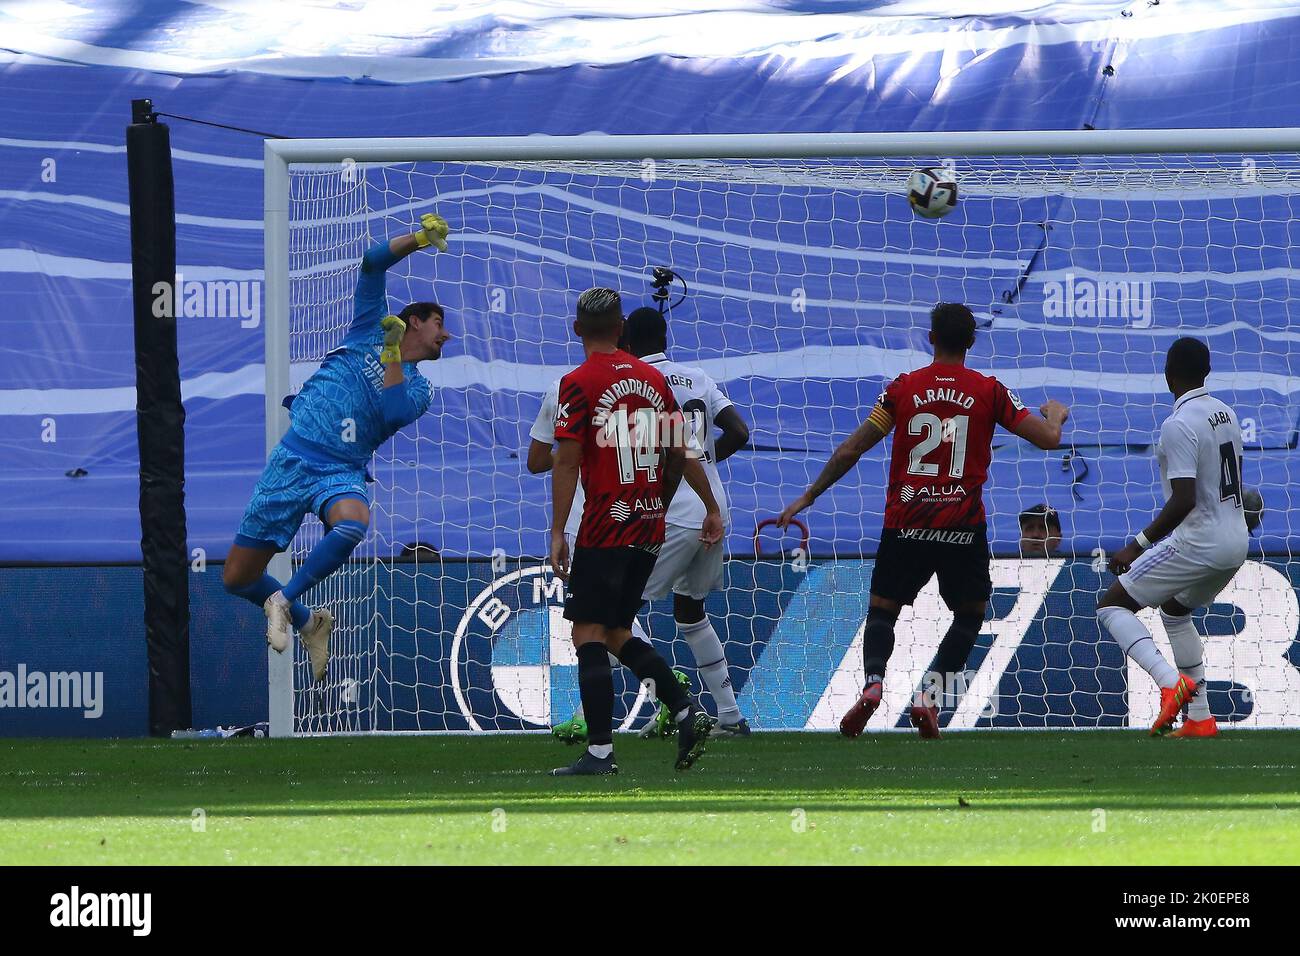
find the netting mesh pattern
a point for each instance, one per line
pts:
(809, 288)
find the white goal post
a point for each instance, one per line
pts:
(815, 174)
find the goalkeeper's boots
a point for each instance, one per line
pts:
(739, 729)
(1172, 700)
(692, 734)
(925, 718)
(588, 765)
(1197, 728)
(855, 721)
(572, 731)
(663, 725)
(316, 635)
(279, 623)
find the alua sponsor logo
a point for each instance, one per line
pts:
(929, 492)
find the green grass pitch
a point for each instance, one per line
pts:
(1079, 798)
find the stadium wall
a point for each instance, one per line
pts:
(467, 645)
(67, 402)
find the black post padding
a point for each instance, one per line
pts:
(160, 421)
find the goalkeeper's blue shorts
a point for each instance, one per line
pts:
(291, 486)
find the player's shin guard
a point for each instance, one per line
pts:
(1189, 658)
(263, 588)
(1133, 639)
(326, 557)
(877, 643)
(644, 661)
(955, 648)
(711, 662)
(596, 685)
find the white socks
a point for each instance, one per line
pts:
(600, 750)
(1189, 655)
(1133, 639)
(711, 662)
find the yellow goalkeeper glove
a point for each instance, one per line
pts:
(433, 232)
(394, 330)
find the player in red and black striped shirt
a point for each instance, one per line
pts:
(943, 417)
(618, 426)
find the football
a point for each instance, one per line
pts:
(932, 192)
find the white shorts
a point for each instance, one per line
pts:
(685, 566)
(1164, 572)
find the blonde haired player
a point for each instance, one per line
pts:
(541, 458)
(1189, 553)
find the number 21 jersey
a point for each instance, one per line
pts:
(943, 418)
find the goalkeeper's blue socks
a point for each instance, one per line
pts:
(263, 588)
(327, 557)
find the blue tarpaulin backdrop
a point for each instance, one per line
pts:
(377, 69)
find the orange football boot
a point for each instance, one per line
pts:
(1172, 700)
(925, 719)
(855, 721)
(1197, 728)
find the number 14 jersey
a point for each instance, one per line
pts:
(618, 407)
(943, 418)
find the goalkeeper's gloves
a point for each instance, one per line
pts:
(433, 232)
(394, 330)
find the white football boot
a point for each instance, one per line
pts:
(279, 624)
(316, 635)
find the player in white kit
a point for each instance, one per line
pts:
(684, 566)
(1189, 553)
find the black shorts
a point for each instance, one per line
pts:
(606, 584)
(908, 558)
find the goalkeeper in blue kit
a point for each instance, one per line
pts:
(363, 392)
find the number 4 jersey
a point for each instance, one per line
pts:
(1201, 439)
(617, 406)
(943, 418)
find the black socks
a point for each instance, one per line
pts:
(596, 685)
(644, 661)
(877, 643)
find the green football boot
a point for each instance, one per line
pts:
(572, 731)
(663, 724)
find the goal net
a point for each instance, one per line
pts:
(808, 287)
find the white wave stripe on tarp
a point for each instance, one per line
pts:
(82, 146)
(667, 225)
(1008, 323)
(345, 42)
(248, 380)
(32, 262)
(123, 209)
(673, 226)
(721, 291)
(812, 362)
(1188, 277)
(29, 261)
